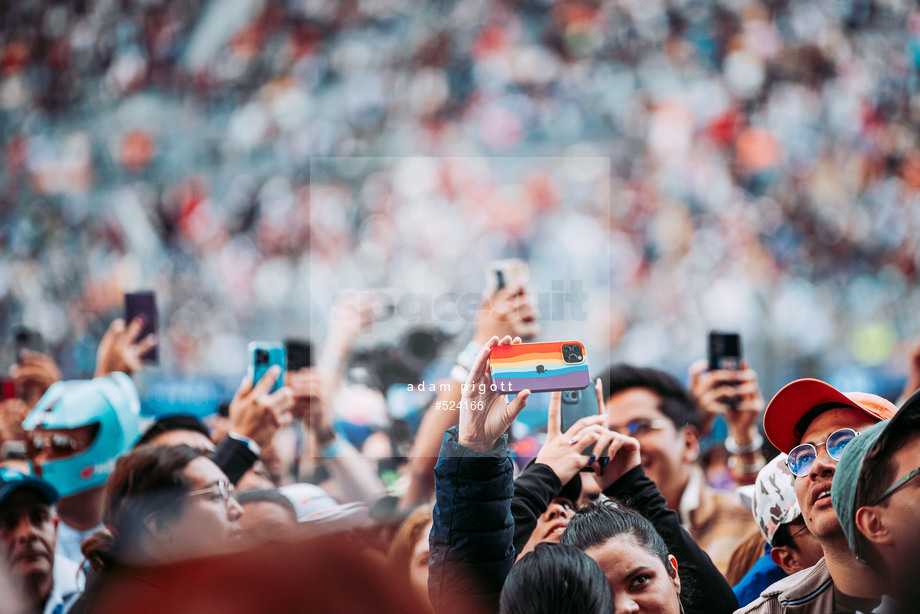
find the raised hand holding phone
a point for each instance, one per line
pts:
(485, 414)
(256, 412)
(122, 346)
(564, 451)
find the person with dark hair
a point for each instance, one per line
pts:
(556, 579)
(656, 409)
(255, 416)
(268, 515)
(814, 423)
(784, 545)
(473, 533)
(163, 503)
(177, 429)
(875, 496)
(638, 567)
(27, 538)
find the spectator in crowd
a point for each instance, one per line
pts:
(162, 504)
(351, 476)
(875, 496)
(656, 409)
(267, 515)
(472, 537)
(75, 434)
(813, 423)
(506, 311)
(787, 545)
(255, 417)
(28, 525)
(735, 395)
(34, 372)
(410, 552)
(555, 578)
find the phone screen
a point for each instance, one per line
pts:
(27, 339)
(143, 304)
(299, 354)
(724, 350)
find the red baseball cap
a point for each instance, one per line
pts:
(799, 397)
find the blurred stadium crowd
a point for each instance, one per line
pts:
(735, 164)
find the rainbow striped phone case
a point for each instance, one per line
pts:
(539, 367)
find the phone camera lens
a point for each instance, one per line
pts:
(261, 357)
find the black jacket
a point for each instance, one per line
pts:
(703, 589)
(474, 537)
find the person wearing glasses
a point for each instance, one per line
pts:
(163, 504)
(876, 498)
(656, 409)
(813, 423)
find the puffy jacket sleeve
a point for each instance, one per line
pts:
(472, 531)
(533, 490)
(703, 589)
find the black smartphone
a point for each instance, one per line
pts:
(27, 339)
(144, 304)
(724, 350)
(299, 354)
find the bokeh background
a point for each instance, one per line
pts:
(741, 165)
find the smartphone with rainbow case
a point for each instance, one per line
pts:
(539, 367)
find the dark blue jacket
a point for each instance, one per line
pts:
(472, 533)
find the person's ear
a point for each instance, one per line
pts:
(691, 441)
(871, 523)
(675, 577)
(156, 528)
(789, 559)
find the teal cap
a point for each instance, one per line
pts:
(850, 468)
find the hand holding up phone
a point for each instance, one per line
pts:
(122, 348)
(563, 452)
(734, 394)
(256, 413)
(33, 375)
(484, 413)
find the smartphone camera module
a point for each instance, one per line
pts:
(571, 396)
(261, 357)
(571, 353)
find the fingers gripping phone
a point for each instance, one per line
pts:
(578, 404)
(143, 305)
(262, 357)
(539, 367)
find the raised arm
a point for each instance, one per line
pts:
(472, 530)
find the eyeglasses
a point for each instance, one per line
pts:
(223, 489)
(641, 426)
(799, 532)
(803, 456)
(60, 444)
(890, 491)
